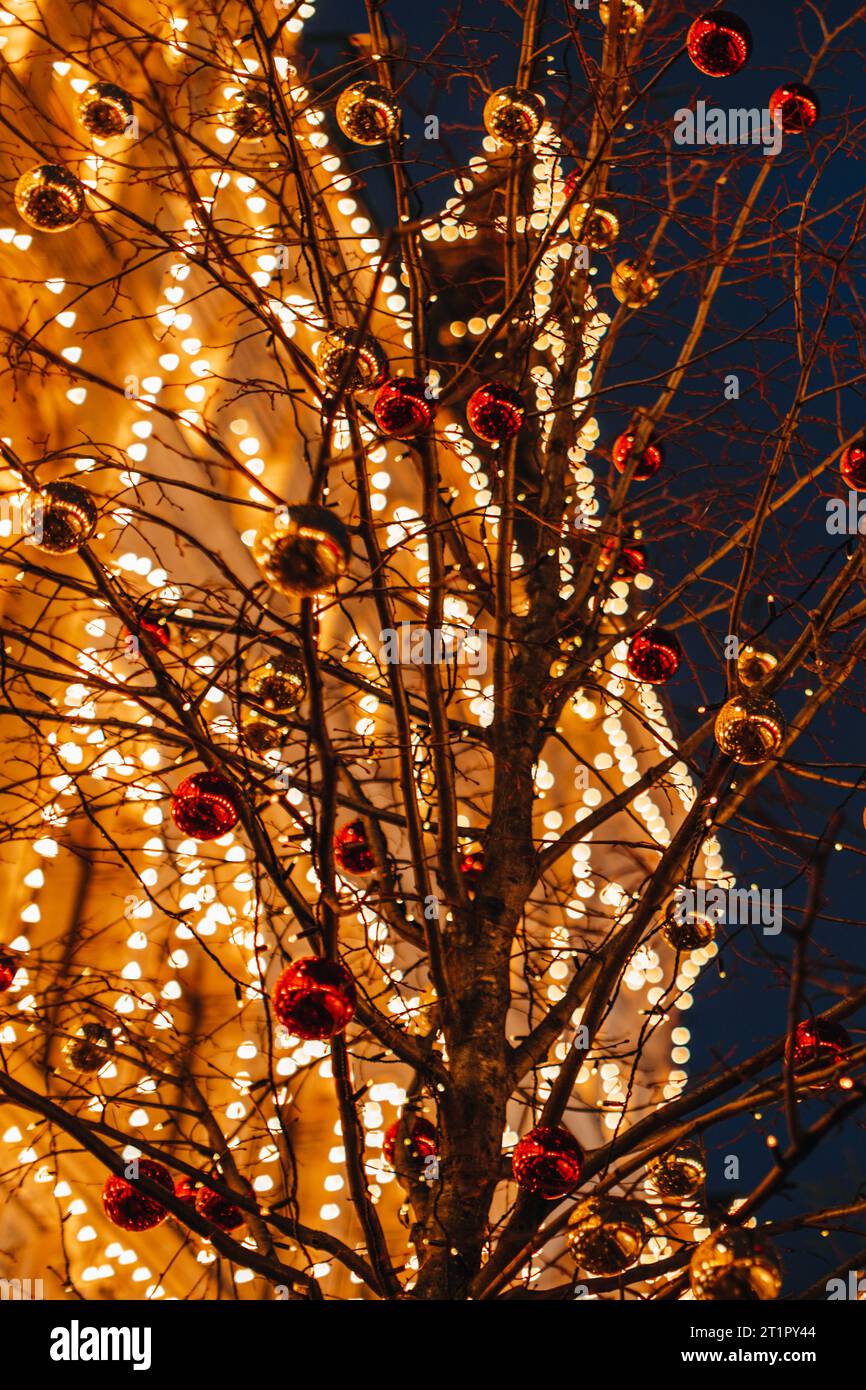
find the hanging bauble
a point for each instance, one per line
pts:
(685, 928)
(279, 684)
(402, 408)
(797, 107)
(303, 551)
(630, 561)
(495, 412)
(853, 466)
(597, 228)
(315, 998)
(679, 1173)
(9, 967)
(421, 1143)
(632, 286)
(650, 461)
(819, 1043)
(632, 15)
(719, 43)
(352, 850)
(653, 655)
(66, 517)
(49, 198)
(547, 1162)
(153, 620)
(216, 1209)
(206, 805)
(249, 115)
(260, 733)
(105, 111)
(737, 1265)
(750, 729)
(129, 1208)
(606, 1234)
(755, 661)
(91, 1047)
(471, 868)
(351, 360)
(513, 115)
(367, 113)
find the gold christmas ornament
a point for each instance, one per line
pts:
(279, 684)
(736, 1265)
(261, 734)
(105, 111)
(49, 198)
(367, 113)
(750, 729)
(754, 663)
(684, 928)
(597, 228)
(513, 115)
(351, 359)
(249, 115)
(90, 1049)
(65, 518)
(303, 551)
(633, 287)
(679, 1173)
(606, 1234)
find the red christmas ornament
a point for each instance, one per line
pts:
(495, 412)
(631, 560)
(402, 409)
(315, 998)
(853, 466)
(818, 1043)
(9, 968)
(352, 850)
(719, 44)
(423, 1142)
(127, 1207)
(649, 462)
(217, 1209)
(797, 105)
(547, 1162)
(205, 806)
(472, 867)
(653, 655)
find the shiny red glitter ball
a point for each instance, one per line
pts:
(127, 1207)
(205, 805)
(649, 462)
(853, 466)
(8, 969)
(352, 850)
(495, 412)
(217, 1209)
(719, 44)
(423, 1142)
(547, 1162)
(472, 867)
(818, 1043)
(631, 560)
(653, 655)
(315, 998)
(402, 409)
(158, 632)
(797, 105)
